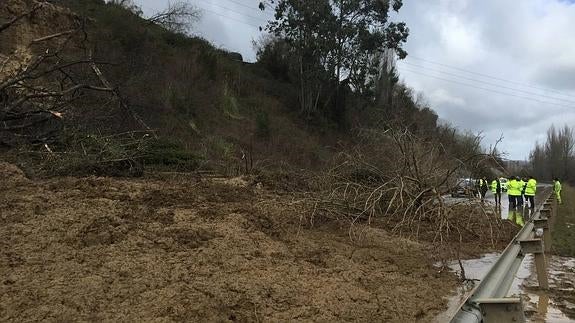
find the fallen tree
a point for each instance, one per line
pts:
(394, 177)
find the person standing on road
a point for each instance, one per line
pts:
(513, 192)
(520, 198)
(530, 189)
(483, 188)
(557, 189)
(496, 189)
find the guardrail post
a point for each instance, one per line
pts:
(552, 200)
(502, 310)
(535, 247)
(544, 225)
(545, 213)
(550, 204)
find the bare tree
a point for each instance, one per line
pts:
(555, 158)
(128, 4)
(398, 177)
(177, 17)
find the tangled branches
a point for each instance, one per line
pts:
(401, 179)
(42, 75)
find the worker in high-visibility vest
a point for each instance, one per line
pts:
(521, 192)
(530, 189)
(496, 189)
(513, 191)
(557, 189)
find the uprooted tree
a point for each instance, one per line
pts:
(398, 178)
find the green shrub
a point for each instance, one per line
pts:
(164, 152)
(263, 129)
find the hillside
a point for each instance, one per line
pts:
(206, 108)
(110, 93)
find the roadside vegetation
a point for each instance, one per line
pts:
(555, 158)
(563, 231)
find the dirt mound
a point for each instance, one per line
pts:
(101, 231)
(11, 173)
(101, 249)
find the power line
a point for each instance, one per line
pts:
(486, 89)
(238, 12)
(250, 7)
(230, 18)
(217, 14)
(488, 83)
(491, 76)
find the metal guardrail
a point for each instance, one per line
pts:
(488, 302)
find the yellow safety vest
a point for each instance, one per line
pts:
(494, 186)
(531, 187)
(557, 186)
(513, 188)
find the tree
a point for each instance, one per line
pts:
(129, 5)
(337, 42)
(177, 17)
(555, 158)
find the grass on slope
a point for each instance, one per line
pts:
(564, 228)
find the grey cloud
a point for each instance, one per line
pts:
(512, 40)
(559, 76)
(231, 25)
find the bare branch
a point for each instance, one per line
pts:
(70, 90)
(177, 17)
(49, 37)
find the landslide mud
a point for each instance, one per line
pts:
(178, 250)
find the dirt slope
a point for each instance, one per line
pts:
(166, 250)
(16, 50)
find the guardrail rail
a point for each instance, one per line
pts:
(489, 302)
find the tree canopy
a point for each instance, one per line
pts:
(556, 157)
(335, 42)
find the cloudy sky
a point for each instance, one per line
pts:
(499, 67)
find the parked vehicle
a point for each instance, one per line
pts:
(465, 187)
(503, 182)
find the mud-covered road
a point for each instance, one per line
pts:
(177, 250)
